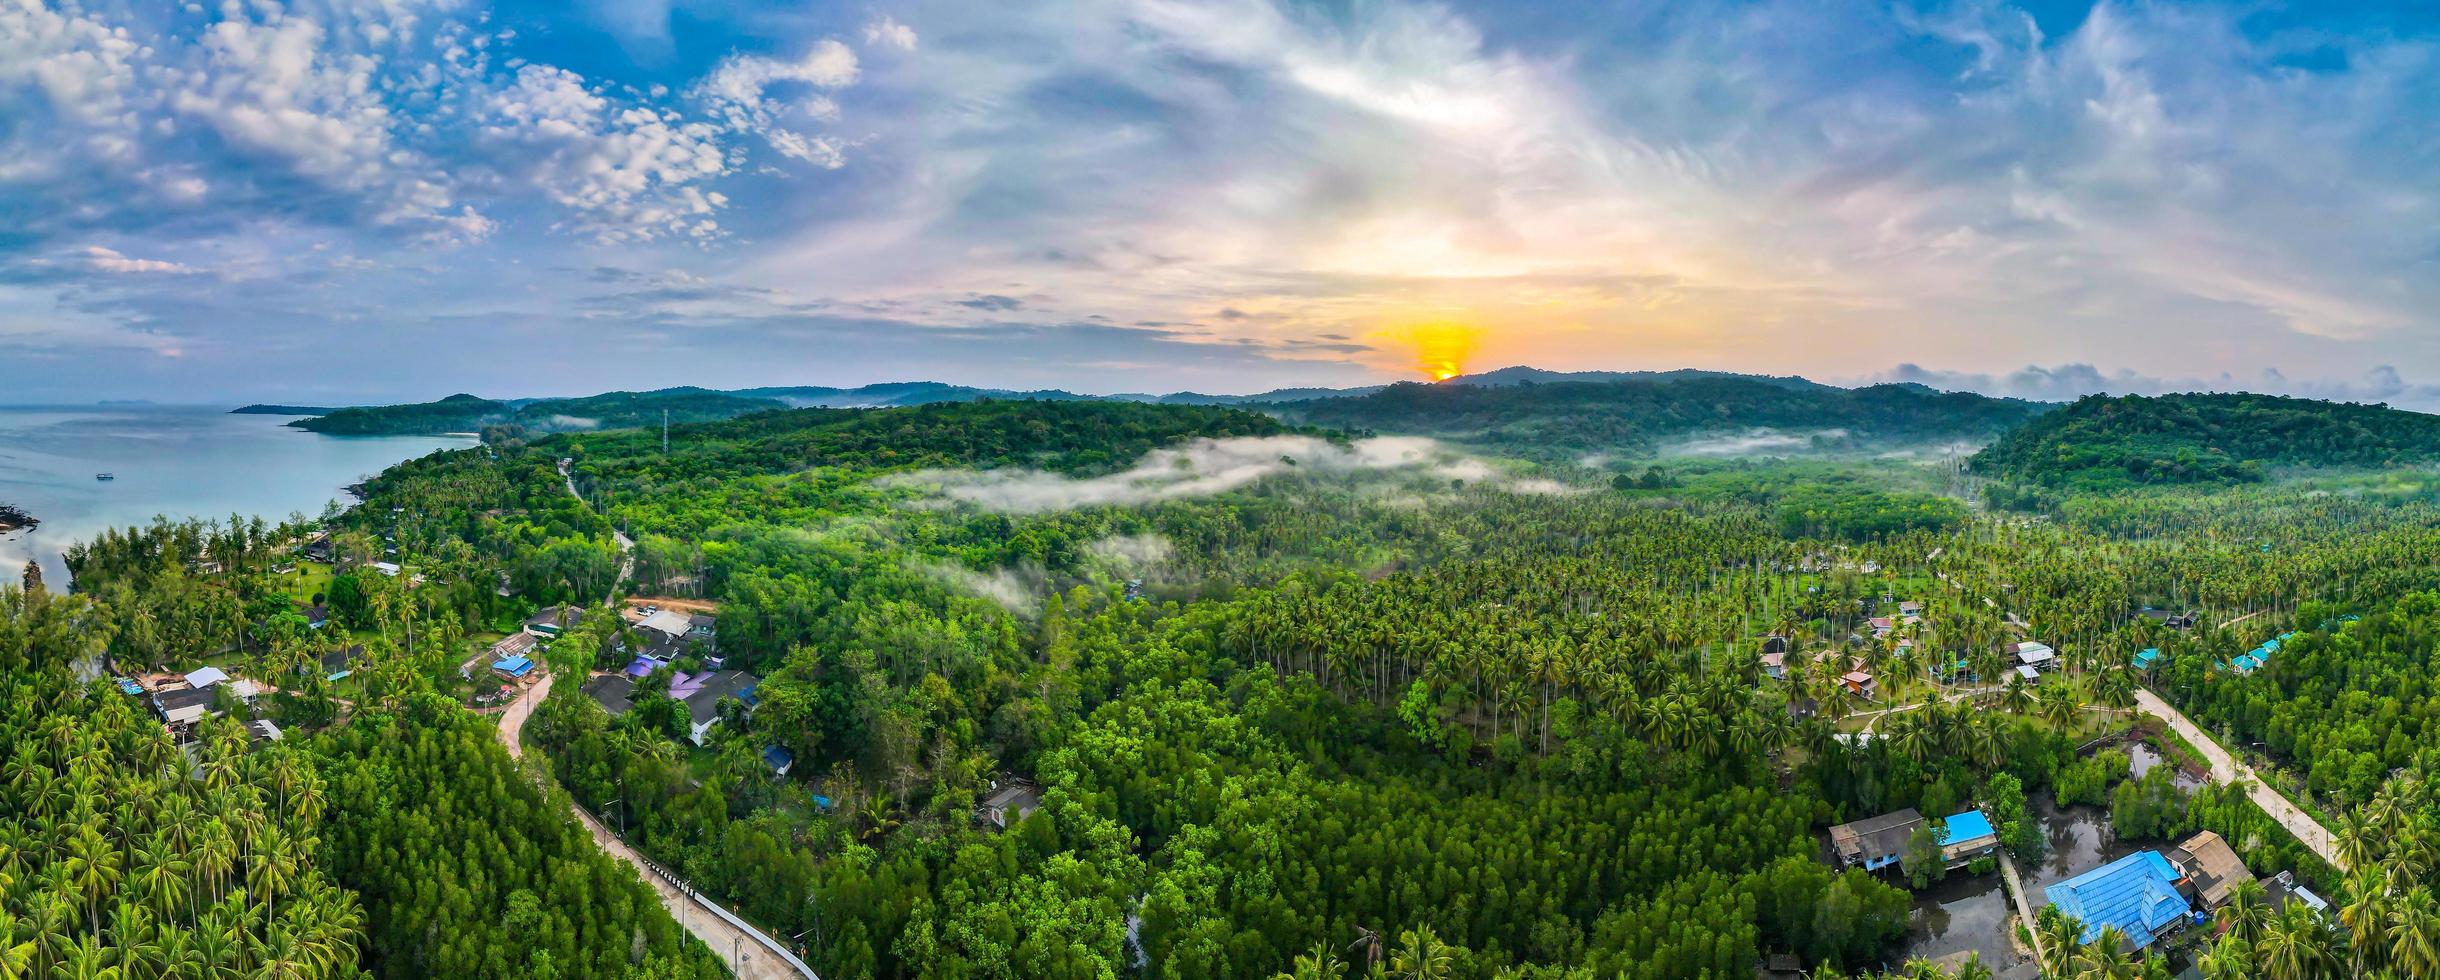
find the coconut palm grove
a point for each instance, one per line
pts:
(1184, 489)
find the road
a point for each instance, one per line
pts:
(742, 952)
(626, 546)
(2226, 769)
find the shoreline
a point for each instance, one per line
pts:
(12, 519)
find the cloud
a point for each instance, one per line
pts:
(1752, 442)
(739, 92)
(1017, 589)
(1200, 468)
(625, 173)
(2068, 382)
(882, 32)
(107, 260)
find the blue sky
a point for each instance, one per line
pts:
(390, 199)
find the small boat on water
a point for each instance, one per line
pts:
(105, 477)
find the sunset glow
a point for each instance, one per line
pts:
(1441, 348)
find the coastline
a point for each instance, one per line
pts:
(12, 519)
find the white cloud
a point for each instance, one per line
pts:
(2068, 382)
(882, 32)
(625, 172)
(739, 92)
(108, 260)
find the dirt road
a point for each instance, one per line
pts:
(2226, 769)
(743, 953)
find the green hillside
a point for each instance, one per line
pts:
(2102, 442)
(612, 410)
(1651, 414)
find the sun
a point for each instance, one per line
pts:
(1442, 347)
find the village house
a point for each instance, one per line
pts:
(2036, 655)
(513, 668)
(1775, 665)
(701, 693)
(2211, 866)
(614, 692)
(518, 644)
(1874, 843)
(2141, 895)
(1011, 800)
(549, 623)
(1861, 684)
(1966, 836)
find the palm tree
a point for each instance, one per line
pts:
(1320, 964)
(2107, 958)
(2353, 841)
(1421, 956)
(2297, 945)
(2061, 935)
(2414, 934)
(2247, 912)
(2016, 697)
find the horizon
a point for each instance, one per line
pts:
(353, 202)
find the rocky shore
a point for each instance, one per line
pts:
(12, 519)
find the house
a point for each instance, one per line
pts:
(183, 706)
(513, 668)
(1876, 842)
(701, 693)
(642, 667)
(1966, 836)
(1775, 665)
(2030, 676)
(517, 644)
(614, 692)
(667, 622)
(1862, 685)
(2282, 888)
(318, 549)
(339, 663)
(1910, 610)
(2212, 866)
(1774, 643)
(1881, 625)
(2036, 655)
(779, 759)
(2171, 619)
(2146, 657)
(549, 623)
(388, 568)
(263, 730)
(1012, 800)
(2139, 895)
(206, 677)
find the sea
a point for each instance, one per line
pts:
(172, 461)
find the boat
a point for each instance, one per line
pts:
(105, 477)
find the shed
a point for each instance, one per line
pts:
(1875, 842)
(779, 759)
(206, 677)
(2136, 895)
(667, 622)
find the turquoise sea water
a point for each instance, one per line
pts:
(175, 461)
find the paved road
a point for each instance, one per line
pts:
(2226, 769)
(743, 954)
(626, 546)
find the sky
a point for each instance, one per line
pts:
(381, 200)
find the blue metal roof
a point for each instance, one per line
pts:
(2136, 895)
(513, 666)
(777, 757)
(1965, 826)
(2144, 657)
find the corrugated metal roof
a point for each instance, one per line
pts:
(2136, 895)
(1965, 826)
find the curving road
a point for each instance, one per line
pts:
(742, 952)
(2226, 769)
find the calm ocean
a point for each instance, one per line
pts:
(175, 461)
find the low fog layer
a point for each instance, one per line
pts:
(1752, 441)
(1200, 469)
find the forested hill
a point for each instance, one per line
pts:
(1652, 414)
(467, 413)
(1072, 436)
(2102, 442)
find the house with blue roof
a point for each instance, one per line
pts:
(1966, 836)
(2146, 657)
(513, 668)
(2141, 895)
(779, 759)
